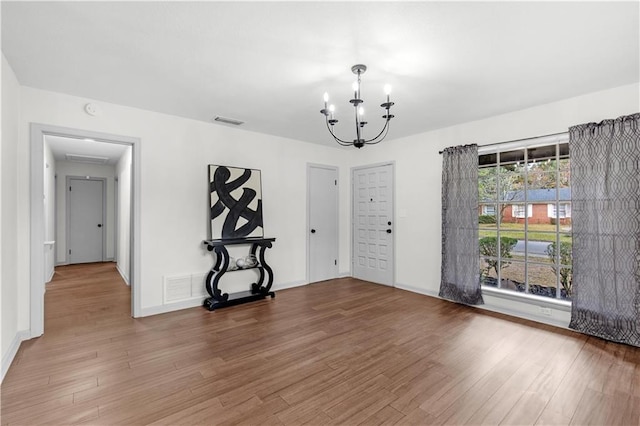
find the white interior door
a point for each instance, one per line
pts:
(373, 224)
(85, 226)
(323, 222)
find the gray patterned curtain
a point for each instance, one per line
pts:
(605, 192)
(460, 251)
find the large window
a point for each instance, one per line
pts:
(525, 220)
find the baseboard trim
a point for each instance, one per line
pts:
(124, 277)
(524, 315)
(170, 307)
(197, 301)
(489, 307)
(9, 356)
(344, 274)
(418, 290)
(284, 286)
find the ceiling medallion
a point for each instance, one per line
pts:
(357, 102)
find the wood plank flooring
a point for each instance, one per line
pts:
(339, 352)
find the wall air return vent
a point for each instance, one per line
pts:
(79, 158)
(227, 120)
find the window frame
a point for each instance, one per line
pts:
(526, 144)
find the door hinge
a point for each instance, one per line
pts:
(69, 188)
(69, 251)
(335, 182)
(335, 262)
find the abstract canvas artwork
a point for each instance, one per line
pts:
(236, 202)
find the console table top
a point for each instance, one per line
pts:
(235, 241)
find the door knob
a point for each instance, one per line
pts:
(99, 225)
(388, 231)
(313, 231)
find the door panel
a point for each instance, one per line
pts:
(373, 224)
(323, 223)
(85, 220)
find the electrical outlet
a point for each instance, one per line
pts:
(545, 311)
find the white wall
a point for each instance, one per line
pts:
(49, 210)
(419, 170)
(12, 280)
(123, 214)
(175, 153)
(69, 168)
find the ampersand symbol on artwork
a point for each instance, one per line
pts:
(237, 208)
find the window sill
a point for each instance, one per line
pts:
(560, 305)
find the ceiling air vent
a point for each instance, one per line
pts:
(79, 158)
(227, 120)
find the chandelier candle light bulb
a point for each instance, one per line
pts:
(359, 142)
(387, 91)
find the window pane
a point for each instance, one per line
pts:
(488, 268)
(487, 160)
(542, 153)
(512, 275)
(564, 211)
(487, 218)
(487, 184)
(541, 252)
(542, 185)
(512, 157)
(542, 232)
(512, 243)
(564, 150)
(484, 233)
(542, 280)
(514, 214)
(510, 183)
(566, 236)
(564, 179)
(566, 281)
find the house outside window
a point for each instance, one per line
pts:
(563, 211)
(517, 210)
(488, 210)
(527, 249)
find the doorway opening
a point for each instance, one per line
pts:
(86, 217)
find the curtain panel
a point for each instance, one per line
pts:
(460, 251)
(605, 192)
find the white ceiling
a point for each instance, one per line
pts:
(268, 63)
(61, 146)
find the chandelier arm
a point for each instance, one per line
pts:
(337, 139)
(386, 127)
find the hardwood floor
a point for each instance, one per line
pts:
(338, 352)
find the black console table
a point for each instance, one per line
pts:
(257, 291)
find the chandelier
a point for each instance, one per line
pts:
(357, 102)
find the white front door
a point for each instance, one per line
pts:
(373, 224)
(323, 222)
(85, 224)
